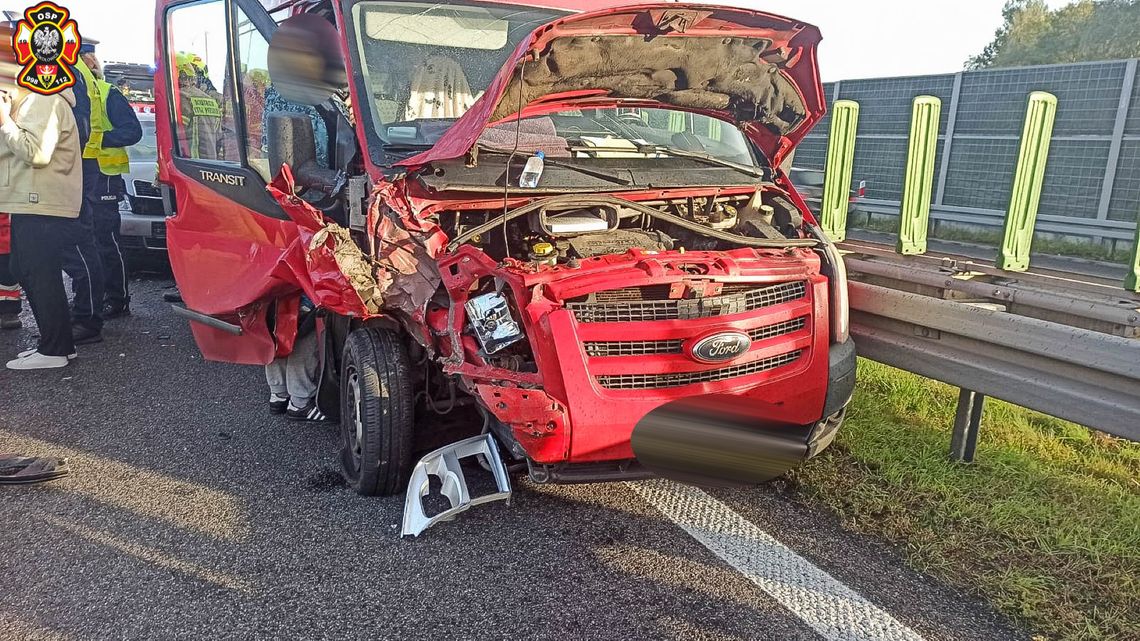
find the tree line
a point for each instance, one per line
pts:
(1032, 34)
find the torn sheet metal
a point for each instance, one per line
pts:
(352, 262)
(402, 275)
(338, 276)
(408, 270)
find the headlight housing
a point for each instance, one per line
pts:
(836, 272)
(490, 317)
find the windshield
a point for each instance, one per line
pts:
(425, 64)
(145, 150)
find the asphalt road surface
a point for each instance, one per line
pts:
(193, 514)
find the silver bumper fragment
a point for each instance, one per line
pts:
(444, 464)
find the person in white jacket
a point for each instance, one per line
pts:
(41, 185)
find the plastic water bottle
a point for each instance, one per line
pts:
(533, 171)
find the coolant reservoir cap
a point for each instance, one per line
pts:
(543, 249)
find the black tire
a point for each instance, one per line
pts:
(377, 415)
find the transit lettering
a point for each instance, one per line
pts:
(225, 179)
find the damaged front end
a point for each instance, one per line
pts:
(662, 256)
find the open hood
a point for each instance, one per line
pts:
(754, 69)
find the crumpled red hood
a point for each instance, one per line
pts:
(755, 69)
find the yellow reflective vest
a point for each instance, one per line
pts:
(201, 116)
(114, 161)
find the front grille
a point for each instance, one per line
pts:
(629, 294)
(596, 349)
(146, 206)
(147, 190)
(779, 329)
(647, 303)
(632, 348)
(661, 381)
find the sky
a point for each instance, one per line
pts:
(861, 39)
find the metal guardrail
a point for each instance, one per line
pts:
(1074, 355)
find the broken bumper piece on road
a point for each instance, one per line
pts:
(444, 464)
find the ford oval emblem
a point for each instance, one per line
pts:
(721, 347)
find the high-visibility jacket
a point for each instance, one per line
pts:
(201, 116)
(113, 161)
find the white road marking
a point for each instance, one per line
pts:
(830, 608)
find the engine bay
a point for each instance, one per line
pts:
(564, 230)
(568, 233)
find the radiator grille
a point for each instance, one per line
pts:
(146, 189)
(660, 381)
(633, 348)
(597, 349)
(620, 306)
(779, 329)
(632, 294)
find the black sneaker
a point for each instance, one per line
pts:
(309, 413)
(116, 310)
(278, 404)
(83, 335)
(10, 321)
(172, 296)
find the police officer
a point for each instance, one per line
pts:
(200, 110)
(81, 258)
(114, 127)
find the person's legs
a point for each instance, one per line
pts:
(107, 229)
(37, 247)
(82, 263)
(303, 370)
(276, 377)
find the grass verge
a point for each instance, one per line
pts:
(1046, 523)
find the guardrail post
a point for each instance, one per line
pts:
(914, 214)
(1027, 182)
(1132, 282)
(840, 165)
(967, 422)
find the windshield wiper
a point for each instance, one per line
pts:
(407, 146)
(647, 149)
(614, 178)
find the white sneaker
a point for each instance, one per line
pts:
(72, 356)
(38, 361)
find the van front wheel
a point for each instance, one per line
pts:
(377, 415)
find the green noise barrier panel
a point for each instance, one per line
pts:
(840, 164)
(918, 188)
(1028, 180)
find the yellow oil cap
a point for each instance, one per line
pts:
(543, 249)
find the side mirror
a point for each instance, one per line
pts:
(305, 61)
(292, 142)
